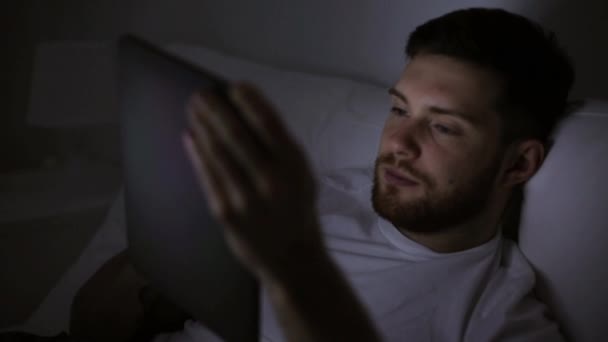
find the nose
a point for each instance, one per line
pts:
(404, 139)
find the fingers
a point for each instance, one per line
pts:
(261, 117)
(235, 157)
(226, 122)
(238, 134)
(256, 179)
(217, 171)
(207, 178)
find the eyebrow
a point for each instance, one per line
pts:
(435, 109)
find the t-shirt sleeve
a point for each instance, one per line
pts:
(527, 320)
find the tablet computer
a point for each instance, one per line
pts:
(173, 238)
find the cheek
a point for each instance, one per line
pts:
(464, 169)
(445, 173)
(448, 169)
(386, 133)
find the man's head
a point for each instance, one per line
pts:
(470, 118)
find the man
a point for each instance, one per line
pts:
(425, 260)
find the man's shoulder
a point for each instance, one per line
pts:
(510, 278)
(508, 307)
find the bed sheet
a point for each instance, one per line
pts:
(53, 314)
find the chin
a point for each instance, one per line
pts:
(404, 208)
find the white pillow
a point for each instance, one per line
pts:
(305, 101)
(564, 227)
(351, 136)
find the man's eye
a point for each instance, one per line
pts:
(398, 111)
(443, 129)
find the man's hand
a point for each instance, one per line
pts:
(255, 177)
(260, 187)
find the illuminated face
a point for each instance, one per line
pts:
(439, 153)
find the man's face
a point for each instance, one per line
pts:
(439, 154)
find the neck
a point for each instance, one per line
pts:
(470, 234)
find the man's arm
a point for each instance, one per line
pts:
(259, 186)
(313, 301)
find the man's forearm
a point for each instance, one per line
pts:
(314, 302)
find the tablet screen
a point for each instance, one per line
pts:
(173, 238)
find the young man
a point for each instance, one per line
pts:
(424, 259)
(470, 118)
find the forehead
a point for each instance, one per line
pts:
(441, 81)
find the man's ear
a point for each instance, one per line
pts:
(524, 158)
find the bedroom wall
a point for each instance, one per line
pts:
(15, 65)
(362, 39)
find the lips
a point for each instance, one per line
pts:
(394, 177)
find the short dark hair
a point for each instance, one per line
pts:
(537, 73)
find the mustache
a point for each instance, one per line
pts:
(389, 159)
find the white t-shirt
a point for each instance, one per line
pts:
(411, 292)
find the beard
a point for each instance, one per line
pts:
(436, 210)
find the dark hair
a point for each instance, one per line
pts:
(537, 73)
